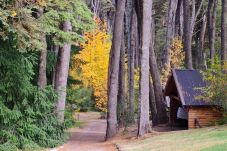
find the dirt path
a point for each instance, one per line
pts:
(89, 138)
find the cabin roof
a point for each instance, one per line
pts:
(186, 82)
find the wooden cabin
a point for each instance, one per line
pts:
(185, 109)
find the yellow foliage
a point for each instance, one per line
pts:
(177, 57)
(13, 13)
(41, 2)
(91, 64)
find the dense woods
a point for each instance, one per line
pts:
(185, 34)
(111, 56)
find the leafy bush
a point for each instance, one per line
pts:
(216, 77)
(216, 90)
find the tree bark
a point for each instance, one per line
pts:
(200, 46)
(111, 17)
(161, 115)
(211, 13)
(153, 109)
(187, 34)
(144, 124)
(56, 50)
(170, 32)
(121, 90)
(42, 78)
(224, 31)
(131, 65)
(179, 20)
(62, 74)
(114, 70)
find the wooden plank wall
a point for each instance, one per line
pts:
(205, 115)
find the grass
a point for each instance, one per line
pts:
(206, 139)
(218, 147)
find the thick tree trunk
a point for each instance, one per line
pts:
(179, 20)
(139, 13)
(62, 74)
(170, 32)
(114, 70)
(131, 65)
(121, 90)
(144, 124)
(211, 13)
(200, 46)
(42, 78)
(161, 116)
(187, 42)
(224, 31)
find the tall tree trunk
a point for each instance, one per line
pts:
(42, 78)
(111, 17)
(170, 32)
(121, 90)
(179, 20)
(153, 109)
(224, 31)
(62, 73)
(139, 12)
(211, 13)
(131, 65)
(144, 124)
(200, 46)
(55, 50)
(187, 42)
(114, 70)
(161, 115)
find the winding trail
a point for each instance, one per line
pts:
(89, 138)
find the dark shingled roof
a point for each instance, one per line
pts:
(186, 82)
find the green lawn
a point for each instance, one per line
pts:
(206, 139)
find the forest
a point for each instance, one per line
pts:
(135, 63)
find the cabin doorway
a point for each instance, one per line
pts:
(178, 114)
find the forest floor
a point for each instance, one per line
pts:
(90, 137)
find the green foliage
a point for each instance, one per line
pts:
(75, 11)
(16, 18)
(216, 77)
(80, 98)
(27, 119)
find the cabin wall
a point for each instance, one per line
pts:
(205, 115)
